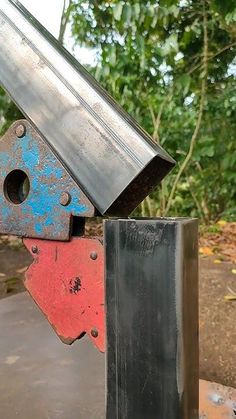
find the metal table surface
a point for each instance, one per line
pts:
(40, 377)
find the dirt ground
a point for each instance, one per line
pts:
(217, 319)
(217, 314)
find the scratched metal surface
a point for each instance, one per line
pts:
(107, 153)
(41, 215)
(151, 276)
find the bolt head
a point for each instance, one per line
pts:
(94, 333)
(34, 249)
(20, 130)
(217, 399)
(65, 199)
(93, 255)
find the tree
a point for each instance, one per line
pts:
(168, 63)
(8, 112)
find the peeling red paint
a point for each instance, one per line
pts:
(68, 286)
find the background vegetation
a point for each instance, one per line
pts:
(171, 64)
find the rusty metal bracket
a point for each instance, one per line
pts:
(216, 401)
(39, 196)
(66, 280)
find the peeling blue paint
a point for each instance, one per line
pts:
(4, 158)
(30, 155)
(41, 210)
(38, 228)
(5, 212)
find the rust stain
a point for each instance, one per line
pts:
(216, 401)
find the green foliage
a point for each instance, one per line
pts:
(151, 58)
(8, 112)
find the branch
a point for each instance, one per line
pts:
(149, 205)
(163, 199)
(64, 21)
(200, 114)
(143, 209)
(156, 120)
(222, 50)
(197, 203)
(212, 56)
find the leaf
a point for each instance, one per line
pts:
(221, 223)
(154, 21)
(207, 251)
(106, 70)
(127, 14)
(137, 10)
(230, 297)
(230, 17)
(224, 7)
(151, 11)
(174, 10)
(217, 261)
(112, 55)
(117, 11)
(234, 271)
(98, 73)
(171, 44)
(22, 270)
(183, 83)
(210, 151)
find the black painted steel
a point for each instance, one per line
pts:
(152, 318)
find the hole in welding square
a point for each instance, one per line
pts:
(16, 186)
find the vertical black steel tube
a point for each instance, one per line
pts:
(152, 318)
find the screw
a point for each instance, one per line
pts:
(34, 249)
(94, 333)
(20, 130)
(93, 255)
(217, 399)
(65, 199)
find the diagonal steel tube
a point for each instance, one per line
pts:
(111, 158)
